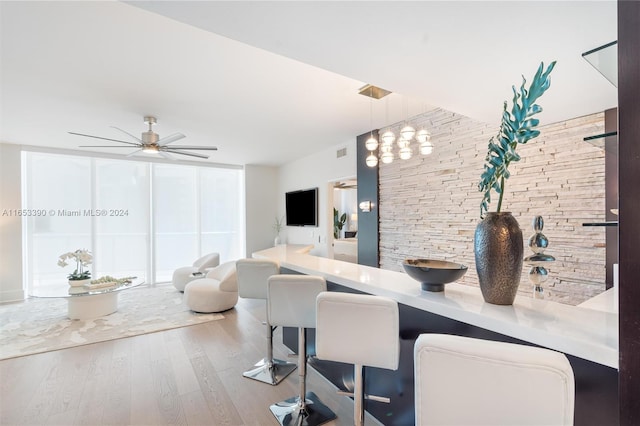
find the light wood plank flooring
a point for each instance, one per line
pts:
(185, 376)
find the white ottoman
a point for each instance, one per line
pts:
(216, 293)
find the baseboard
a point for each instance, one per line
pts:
(12, 296)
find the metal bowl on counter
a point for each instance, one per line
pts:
(433, 274)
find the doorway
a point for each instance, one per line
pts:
(343, 223)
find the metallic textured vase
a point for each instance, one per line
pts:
(499, 248)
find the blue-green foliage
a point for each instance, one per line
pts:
(517, 127)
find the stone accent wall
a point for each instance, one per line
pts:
(430, 205)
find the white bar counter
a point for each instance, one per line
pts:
(579, 331)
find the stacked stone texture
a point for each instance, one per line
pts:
(430, 205)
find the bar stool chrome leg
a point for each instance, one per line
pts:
(306, 408)
(269, 370)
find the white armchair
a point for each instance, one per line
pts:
(217, 292)
(182, 276)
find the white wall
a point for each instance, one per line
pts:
(316, 170)
(261, 205)
(10, 224)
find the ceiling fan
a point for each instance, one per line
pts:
(152, 143)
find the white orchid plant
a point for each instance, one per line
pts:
(83, 258)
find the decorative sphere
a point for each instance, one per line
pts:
(538, 223)
(538, 275)
(538, 242)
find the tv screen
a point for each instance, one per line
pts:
(302, 207)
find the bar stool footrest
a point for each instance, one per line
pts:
(369, 397)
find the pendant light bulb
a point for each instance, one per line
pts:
(426, 148)
(371, 144)
(423, 135)
(387, 157)
(372, 160)
(405, 153)
(388, 137)
(407, 132)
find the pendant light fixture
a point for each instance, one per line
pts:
(372, 144)
(406, 136)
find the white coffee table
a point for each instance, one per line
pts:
(83, 303)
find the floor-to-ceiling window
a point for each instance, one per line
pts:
(56, 189)
(122, 235)
(175, 214)
(138, 218)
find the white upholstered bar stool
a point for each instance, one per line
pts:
(252, 276)
(463, 380)
(358, 329)
(292, 303)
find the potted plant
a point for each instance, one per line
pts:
(498, 244)
(338, 222)
(80, 275)
(277, 226)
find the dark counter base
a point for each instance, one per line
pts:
(596, 384)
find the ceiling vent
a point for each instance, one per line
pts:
(341, 152)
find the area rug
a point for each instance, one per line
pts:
(41, 325)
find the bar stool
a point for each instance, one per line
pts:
(252, 276)
(361, 330)
(292, 303)
(463, 380)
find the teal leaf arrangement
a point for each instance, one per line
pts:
(517, 127)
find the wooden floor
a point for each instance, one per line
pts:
(185, 376)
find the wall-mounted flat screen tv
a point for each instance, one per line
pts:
(302, 207)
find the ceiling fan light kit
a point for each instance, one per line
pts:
(150, 142)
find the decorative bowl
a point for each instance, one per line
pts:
(433, 274)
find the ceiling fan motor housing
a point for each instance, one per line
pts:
(149, 138)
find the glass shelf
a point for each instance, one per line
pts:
(605, 60)
(600, 140)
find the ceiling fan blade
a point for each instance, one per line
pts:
(206, 148)
(104, 146)
(127, 133)
(98, 137)
(131, 154)
(166, 155)
(171, 138)
(190, 154)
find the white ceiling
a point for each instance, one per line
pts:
(269, 82)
